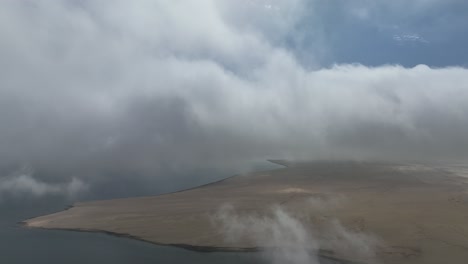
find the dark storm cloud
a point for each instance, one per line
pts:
(98, 88)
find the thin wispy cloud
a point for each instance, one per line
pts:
(288, 237)
(26, 184)
(409, 38)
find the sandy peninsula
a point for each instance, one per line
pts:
(402, 213)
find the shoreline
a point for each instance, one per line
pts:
(325, 254)
(204, 249)
(181, 219)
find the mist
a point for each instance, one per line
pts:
(291, 236)
(94, 89)
(23, 182)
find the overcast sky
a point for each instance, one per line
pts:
(92, 90)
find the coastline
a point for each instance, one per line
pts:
(205, 249)
(325, 254)
(183, 219)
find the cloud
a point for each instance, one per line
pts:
(26, 184)
(409, 38)
(359, 245)
(99, 87)
(286, 240)
(288, 237)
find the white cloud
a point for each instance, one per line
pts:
(409, 38)
(99, 85)
(26, 184)
(287, 237)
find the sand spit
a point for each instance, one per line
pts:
(416, 213)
